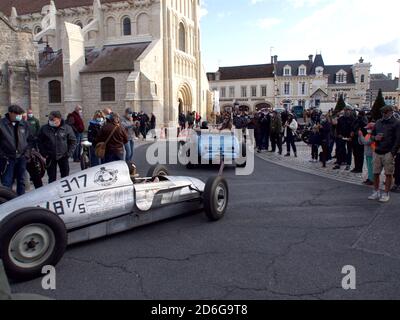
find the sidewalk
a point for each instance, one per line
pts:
(303, 164)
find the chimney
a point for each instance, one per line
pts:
(218, 76)
(310, 58)
(390, 76)
(275, 59)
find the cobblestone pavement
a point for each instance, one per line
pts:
(303, 164)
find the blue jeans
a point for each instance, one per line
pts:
(77, 152)
(13, 168)
(111, 157)
(129, 147)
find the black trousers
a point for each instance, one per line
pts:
(276, 140)
(52, 164)
(344, 152)
(325, 152)
(314, 151)
(358, 152)
(290, 143)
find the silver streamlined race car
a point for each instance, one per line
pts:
(36, 228)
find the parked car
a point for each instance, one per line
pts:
(36, 228)
(298, 111)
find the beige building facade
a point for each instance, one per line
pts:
(18, 71)
(142, 54)
(285, 84)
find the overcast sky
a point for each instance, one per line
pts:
(240, 32)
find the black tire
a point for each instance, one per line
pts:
(157, 170)
(6, 195)
(306, 137)
(85, 161)
(213, 206)
(24, 218)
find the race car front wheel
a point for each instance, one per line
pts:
(29, 240)
(215, 197)
(6, 195)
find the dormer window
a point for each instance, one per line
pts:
(341, 77)
(302, 71)
(287, 71)
(319, 71)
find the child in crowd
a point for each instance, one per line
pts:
(369, 148)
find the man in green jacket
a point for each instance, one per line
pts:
(276, 132)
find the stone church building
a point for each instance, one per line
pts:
(143, 54)
(18, 72)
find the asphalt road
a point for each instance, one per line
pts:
(286, 235)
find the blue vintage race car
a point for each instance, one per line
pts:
(203, 147)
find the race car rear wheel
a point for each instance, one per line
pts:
(29, 240)
(158, 170)
(6, 195)
(215, 197)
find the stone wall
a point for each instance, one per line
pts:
(18, 78)
(45, 106)
(91, 89)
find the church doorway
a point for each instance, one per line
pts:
(185, 99)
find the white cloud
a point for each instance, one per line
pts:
(304, 3)
(268, 23)
(346, 29)
(203, 9)
(223, 15)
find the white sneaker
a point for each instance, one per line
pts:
(375, 196)
(385, 197)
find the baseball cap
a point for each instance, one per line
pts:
(55, 114)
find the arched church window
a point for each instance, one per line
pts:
(55, 91)
(127, 26)
(143, 24)
(182, 37)
(110, 27)
(36, 31)
(108, 89)
(80, 24)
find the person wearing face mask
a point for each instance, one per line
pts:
(57, 143)
(75, 120)
(369, 149)
(386, 134)
(15, 142)
(95, 126)
(128, 125)
(33, 122)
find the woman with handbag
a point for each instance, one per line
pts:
(110, 142)
(291, 127)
